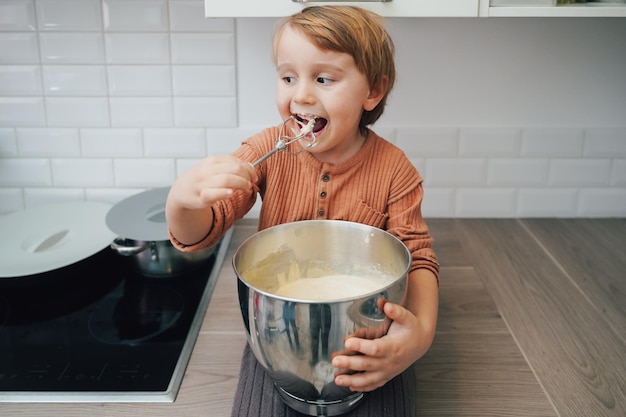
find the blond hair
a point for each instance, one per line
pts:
(357, 32)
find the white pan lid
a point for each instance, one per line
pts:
(141, 216)
(48, 237)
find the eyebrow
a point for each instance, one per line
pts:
(316, 67)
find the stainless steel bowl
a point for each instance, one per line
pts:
(295, 338)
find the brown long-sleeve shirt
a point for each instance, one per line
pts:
(378, 186)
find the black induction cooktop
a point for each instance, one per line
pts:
(99, 332)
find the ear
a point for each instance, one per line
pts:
(376, 94)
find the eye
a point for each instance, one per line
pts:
(289, 79)
(323, 80)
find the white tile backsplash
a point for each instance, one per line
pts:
(101, 99)
(204, 80)
(517, 172)
(552, 142)
(8, 143)
(203, 48)
(11, 199)
(141, 111)
(19, 48)
(110, 195)
(602, 202)
(71, 48)
(112, 143)
(580, 172)
(25, 172)
(74, 80)
(94, 172)
(453, 172)
(148, 173)
(22, 111)
(225, 141)
(188, 16)
(547, 202)
(17, 15)
(183, 164)
(485, 202)
(205, 111)
(20, 80)
(605, 142)
(439, 202)
(138, 80)
(175, 143)
(428, 142)
(491, 142)
(135, 16)
(39, 196)
(75, 15)
(77, 111)
(137, 48)
(45, 142)
(618, 173)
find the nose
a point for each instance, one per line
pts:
(304, 93)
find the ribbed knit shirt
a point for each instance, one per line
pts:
(378, 186)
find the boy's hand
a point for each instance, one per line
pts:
(212, 179)
(187, 209)
(370, 364)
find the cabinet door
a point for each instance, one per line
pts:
(396, 8)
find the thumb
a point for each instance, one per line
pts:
(395, 312)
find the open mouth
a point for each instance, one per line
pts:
(320, 122)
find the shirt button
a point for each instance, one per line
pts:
(325, 177)
(321, 212)
(323, 194)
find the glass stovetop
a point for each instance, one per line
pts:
(100, 332)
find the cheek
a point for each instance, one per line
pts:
(282, 100)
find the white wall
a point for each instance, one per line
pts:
(100, 99)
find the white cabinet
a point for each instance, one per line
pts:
(395, 8)
(534, 8)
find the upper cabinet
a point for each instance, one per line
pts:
(427, 8)
(393, 8)
(552, 8)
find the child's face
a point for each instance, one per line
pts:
(325, 84)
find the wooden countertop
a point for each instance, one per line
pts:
(523, 328)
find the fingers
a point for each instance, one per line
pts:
(362, 381)
(356, 348)
(228, 171)
(395, 312)
(209, 195)
(360, 372)
(365, 369)
(212, 179)
(365, 364)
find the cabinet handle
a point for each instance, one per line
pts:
(332, 1)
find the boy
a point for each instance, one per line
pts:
(334, 64)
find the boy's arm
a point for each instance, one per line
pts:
(422, 299)
(189, 226)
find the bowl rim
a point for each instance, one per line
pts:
(401, 277)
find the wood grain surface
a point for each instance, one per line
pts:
(573, 349)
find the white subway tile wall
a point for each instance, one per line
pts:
(42, 142)
(101, 99)
(23, 80)
(85, 15)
